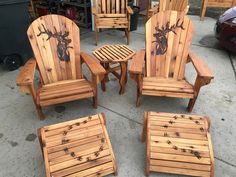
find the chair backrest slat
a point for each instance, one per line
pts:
(111, 6)
(55, 41)
(168, 38)
(178, 5)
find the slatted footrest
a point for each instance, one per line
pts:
(178, 144)
(77, 148)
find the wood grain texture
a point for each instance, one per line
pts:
(163, 5)
(77, 153)
(111, 14)
(26, 75)
(180, 154)
(55, 41)
(168, 39)
(202, 69)
(215, 3)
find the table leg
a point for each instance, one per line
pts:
(106, 78)
(126, 75)
(123, 77)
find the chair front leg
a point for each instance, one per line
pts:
(95, 80)
(200, 81)
(29, 89)
(139, 79)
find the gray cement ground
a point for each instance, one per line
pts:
(20, 154)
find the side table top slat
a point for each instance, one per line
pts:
(113, 53)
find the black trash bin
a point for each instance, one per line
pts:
(134, 18)
(14, 44)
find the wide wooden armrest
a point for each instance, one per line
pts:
(201, 68)
(137, 62)
(94, 67)
(26, 76)
(130, 10)
(94, 11)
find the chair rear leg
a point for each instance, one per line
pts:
(96, 35)
(191, 104)
(127, 31)
(40, 112)
(138, 98)
(203, 10)
(95, 102)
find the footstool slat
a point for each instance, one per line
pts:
(178, 144)
(183, 135)
(78, 148)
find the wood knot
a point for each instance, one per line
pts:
(70, 127)
(49, 69)
(103, 140)
(175, 147)
(177, 134)
(79, 158)
(168, 142)
(30, 36)
(72, 154)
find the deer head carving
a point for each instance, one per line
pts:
(62, 42)
(161, 36)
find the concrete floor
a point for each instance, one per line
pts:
(20, 154)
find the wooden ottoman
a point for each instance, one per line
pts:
(77, 148)
(178, 144)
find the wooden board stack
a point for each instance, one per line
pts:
(178, 144)
(77, 148)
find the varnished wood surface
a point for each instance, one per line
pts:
(78, 148)
(178, 144)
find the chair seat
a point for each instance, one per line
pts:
(167, 87)
(64, 91)
(115, 22)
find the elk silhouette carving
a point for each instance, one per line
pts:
(62, 42)
(161, 36)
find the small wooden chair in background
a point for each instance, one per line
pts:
(168, 38)
(55, 41)
(177, 5)
(215, 3)
(111, 14)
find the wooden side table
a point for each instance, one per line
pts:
(109, 55)
(178, 144)
(78, 147)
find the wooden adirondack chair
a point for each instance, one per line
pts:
(163, 5)
(112, 14)
(55, 41)
(168, 38)
(215, 3)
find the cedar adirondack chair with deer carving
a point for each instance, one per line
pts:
(111, 14)
(168, 38)
(55, 41)
(163, 5)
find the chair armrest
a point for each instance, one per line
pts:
(137, 62)
(130, 10)
(94, 67)
(26, 76)
(94, 11)
(201, 68)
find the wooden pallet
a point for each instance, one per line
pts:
(178, 144)
(78, 148)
